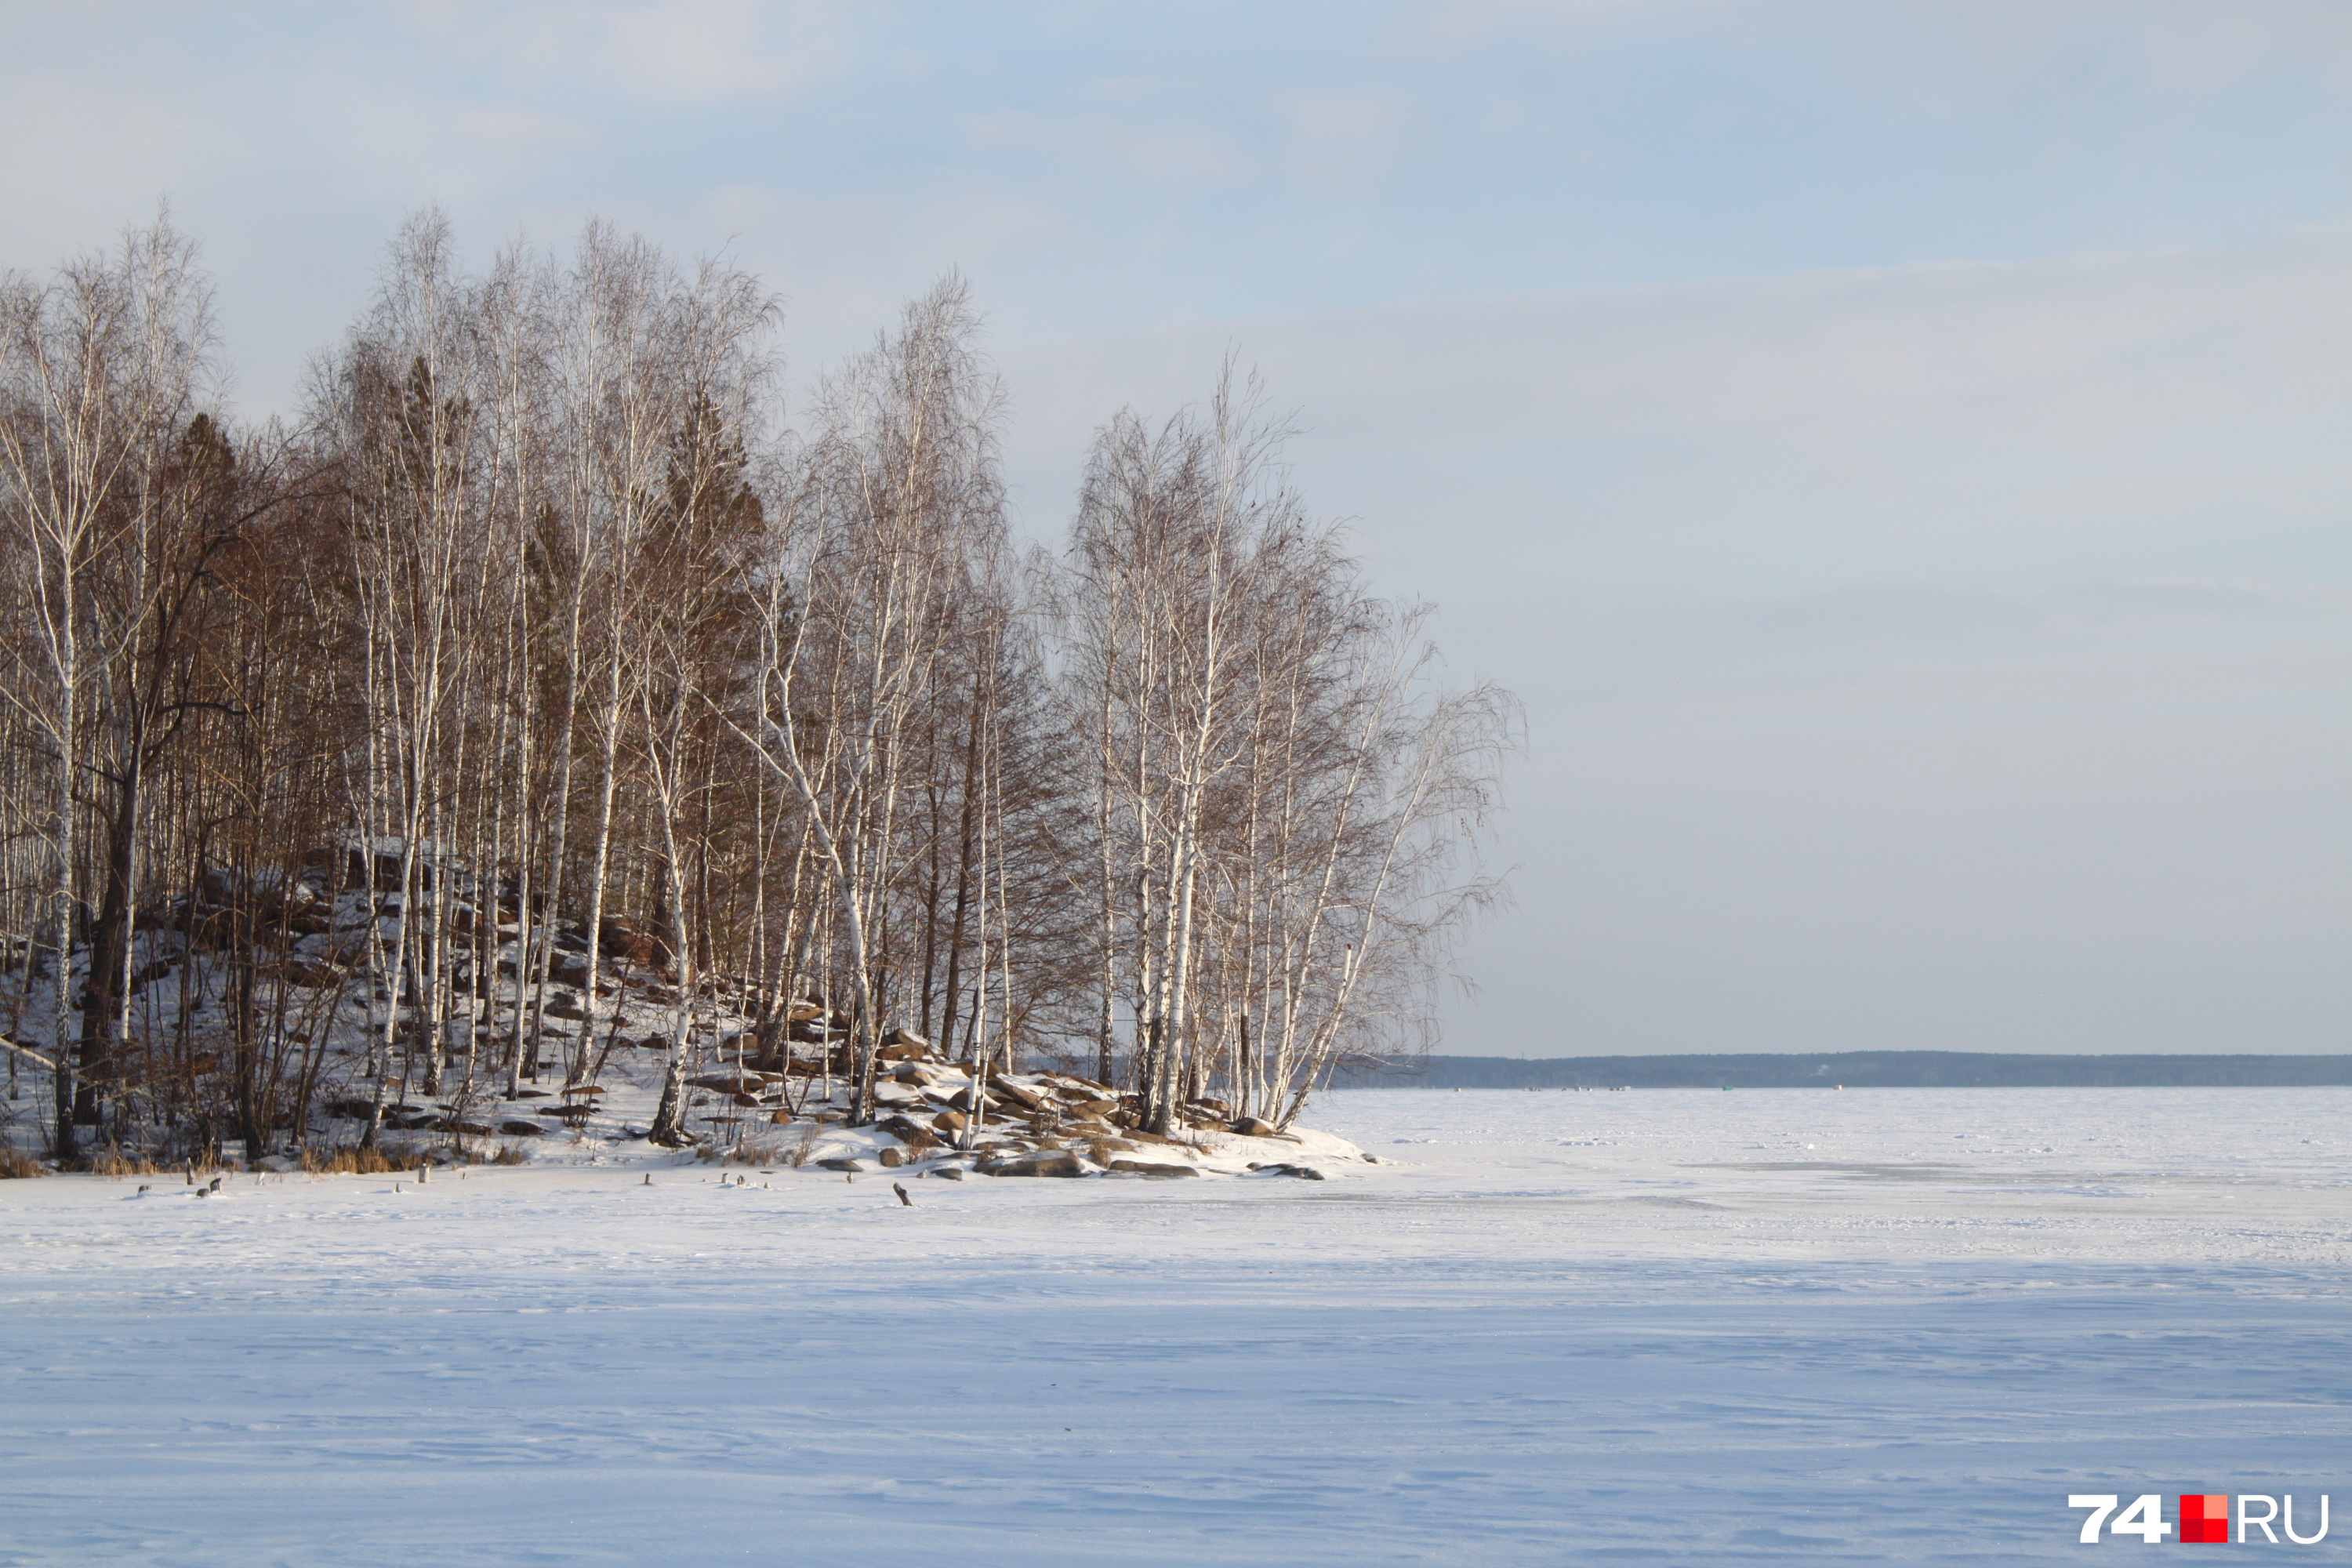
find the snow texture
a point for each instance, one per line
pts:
(1656, 1326)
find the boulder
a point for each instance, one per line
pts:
(1304, 1173)
(1043, 1162)
(852, 1166)
(1026, 1098)
(625, 941)
(1146, 1168)
(947, 1122)
(521, 1128)
(891, 1159)
(730, 1082)
(906, 1129)
(949, 1173)
(1250, 1127)
(1071, 1082)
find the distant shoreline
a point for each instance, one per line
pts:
(1865, 1070)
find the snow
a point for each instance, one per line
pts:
(1657, 1326)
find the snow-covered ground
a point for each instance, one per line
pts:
(1655, 1326)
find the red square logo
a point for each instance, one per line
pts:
(2205, 1518)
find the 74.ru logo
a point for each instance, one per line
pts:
(2204, 1517)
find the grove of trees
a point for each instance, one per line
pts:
(542, 626)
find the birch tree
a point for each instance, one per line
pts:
(100, 370)
(1287, 805)
(899, 487)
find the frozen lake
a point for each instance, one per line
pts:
(1657, 1326)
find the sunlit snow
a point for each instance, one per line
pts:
(1661, 1326)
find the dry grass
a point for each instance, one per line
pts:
(351, 1160)
(15, 1163)
(803, 1147)
(509, 1155)
(751, 1151)
(113, 1162)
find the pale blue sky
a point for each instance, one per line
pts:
(1898, 449)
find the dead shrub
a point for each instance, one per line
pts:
(509, 1155)
(803, 1147)
(752, 1152)
(15, 1164)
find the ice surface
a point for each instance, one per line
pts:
(1659, 1326)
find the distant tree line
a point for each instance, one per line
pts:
(544, 627)
(1863, 1069)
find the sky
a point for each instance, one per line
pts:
(1896, 449)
